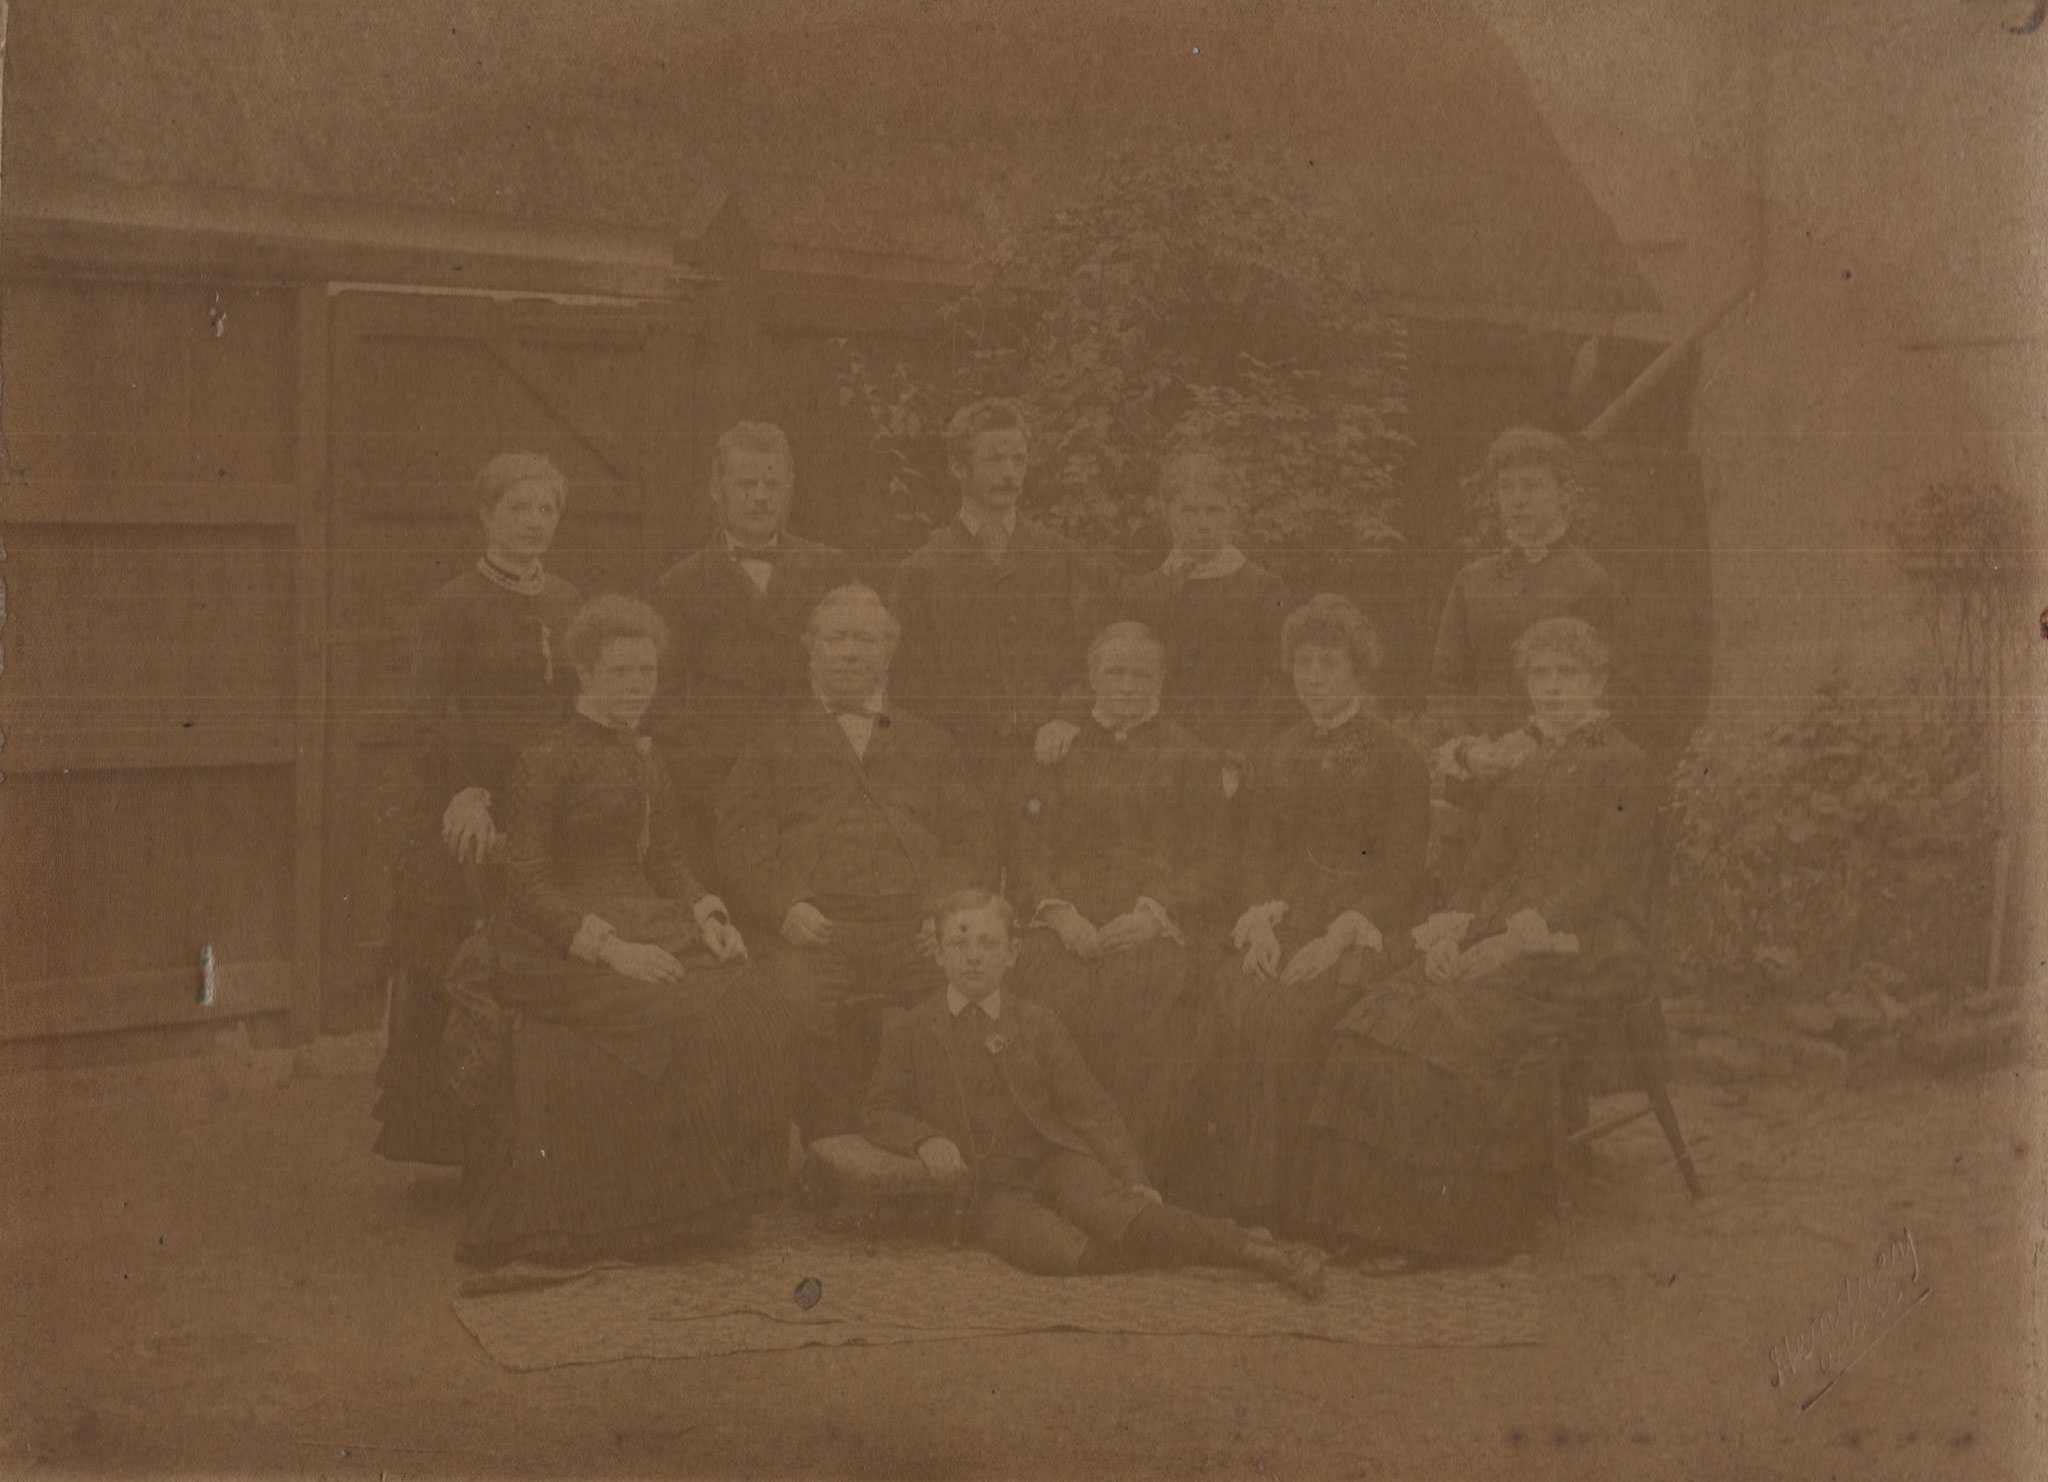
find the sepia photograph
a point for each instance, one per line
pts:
(1023, 738)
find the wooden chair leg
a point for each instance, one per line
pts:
(1645, 1051)
(1667, 1118)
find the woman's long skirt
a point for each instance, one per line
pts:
(1433, 1120)
(1136, 1016)
(1262, 1048)
(614, 1117)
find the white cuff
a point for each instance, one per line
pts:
(1269, 915)
(709, 907)
(592, 937)
(1147, 906)
(1357, 930)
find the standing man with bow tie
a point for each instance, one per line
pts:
(738, 609)
(841, 826)
(997, 610)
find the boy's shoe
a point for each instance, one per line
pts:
(1297, 1267)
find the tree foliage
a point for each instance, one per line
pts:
(1174, 301)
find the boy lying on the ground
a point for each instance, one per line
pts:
(983, 1088)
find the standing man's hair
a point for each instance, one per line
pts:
(752, 437)
(990, 414)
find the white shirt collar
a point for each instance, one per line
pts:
(1535, 550)
(874, 704)
(1224, 562)
(1123, 728)
(973, 519)
(1551, 730)
(1350, 712)
(743, 551)
(956, 1003)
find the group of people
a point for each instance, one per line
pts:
(1109, 897)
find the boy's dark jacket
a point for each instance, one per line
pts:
(917, 1094)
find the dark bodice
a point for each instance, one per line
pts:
(1339, 822)
(593, 828)
(1567, 833)
(1222, 636)
(489, 676)
(1492, 602)
(1116, 820)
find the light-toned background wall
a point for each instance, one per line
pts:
(1884, 165)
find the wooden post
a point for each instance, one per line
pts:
(1658, 371)
(309, 755)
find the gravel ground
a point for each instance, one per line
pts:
(212, 1275)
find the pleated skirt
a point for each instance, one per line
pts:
(1431, 1122)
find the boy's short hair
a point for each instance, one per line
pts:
(960, 902)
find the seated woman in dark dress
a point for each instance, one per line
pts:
(630, 1072)
(488, 680)
(1119, 864)
(1432, 1122)
(1339, 817)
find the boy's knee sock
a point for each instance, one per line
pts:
(1167, 1235)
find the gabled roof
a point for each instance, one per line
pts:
(899, 129)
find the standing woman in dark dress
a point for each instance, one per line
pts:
(1433, 1119)
(1120, 869)
(1338, 809)
(630, 1073)
(488, 680)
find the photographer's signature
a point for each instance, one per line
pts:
(1869, 1307)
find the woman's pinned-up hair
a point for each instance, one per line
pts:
(1125, 630)
(990, 414)
(605, 619)
(960, 902)
(1564, 637)
(508, 471)
(1330, 621)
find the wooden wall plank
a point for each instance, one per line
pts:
(135, 871)
(150, 502)
(309, 771)
(48, 1006)
(61, 745)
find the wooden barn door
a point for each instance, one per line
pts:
(160, 810)
(425, 388)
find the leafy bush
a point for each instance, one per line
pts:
(1862, 832)
(1173, 301)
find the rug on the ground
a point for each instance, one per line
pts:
(811, 1290)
